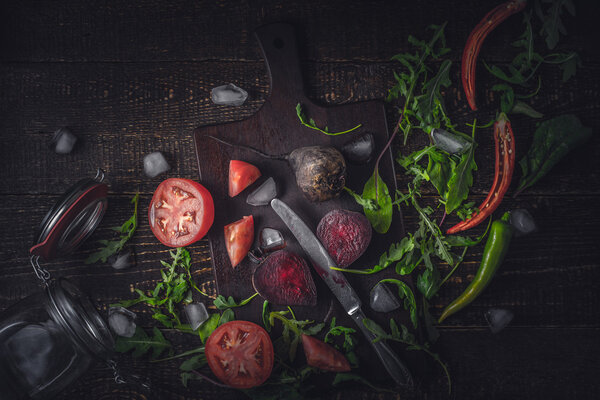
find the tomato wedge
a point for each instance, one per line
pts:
(240, 354)
(323, 356)
(239, 237)
(241, 175)
(181, 212)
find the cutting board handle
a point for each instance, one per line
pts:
(279, 47)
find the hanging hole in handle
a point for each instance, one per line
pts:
(278, 43)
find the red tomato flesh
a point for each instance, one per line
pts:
(241, 175)
(240, 354)
(323, 356)
(181, 212)
(239, 237)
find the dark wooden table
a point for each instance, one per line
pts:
(131, 78)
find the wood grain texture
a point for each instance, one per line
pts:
(130, 78)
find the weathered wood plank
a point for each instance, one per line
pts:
(206, 30)
(517, 363)
(123, 111)
(547, 279)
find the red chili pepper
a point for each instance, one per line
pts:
(505, 164)
(475, 40)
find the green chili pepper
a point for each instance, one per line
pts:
(496, 248)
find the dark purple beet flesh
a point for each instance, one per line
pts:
(284, 279)
(345, 234)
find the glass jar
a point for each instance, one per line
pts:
(48, 340)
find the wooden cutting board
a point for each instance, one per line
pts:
(275, 129)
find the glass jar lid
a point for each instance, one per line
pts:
(72, 219)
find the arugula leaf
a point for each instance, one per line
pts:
(507, 96)
(395, 253)
(367, 204)
(114, 246)
(552, 140)
(402, 335)
(223, 303)
(431, 97)
(292, 332)
(523, 108)
(208, 326)
(349, 340)
(553, 26)
(175, 288)
(141, 343)
(461, 181)
(406, 293)
(310, 123)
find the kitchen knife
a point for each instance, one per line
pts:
(340, 287)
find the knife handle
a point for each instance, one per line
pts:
(396, 368)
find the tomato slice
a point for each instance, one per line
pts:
(181, 212)
(240, 354)
(239, 237)
(241, 175)
(323, 356)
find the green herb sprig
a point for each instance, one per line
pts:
(401, 334)
(126, 231)
(310, 123)
(174, 288)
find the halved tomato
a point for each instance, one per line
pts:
(241, 175)
(240, 354)
(181, 212)
(239, 237)
(323, 356)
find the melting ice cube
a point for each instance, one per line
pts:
(121, 321)
(228, 95)
(271, 239)
(263, 195)
(382, 299)
(63, 141)
(498, 318)
(155, 164)
(522, 221)
(122, 260)
(196, 314)
(449, 142)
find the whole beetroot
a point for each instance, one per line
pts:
(345, 234)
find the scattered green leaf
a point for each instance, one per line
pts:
(125, 233)
(310, 123)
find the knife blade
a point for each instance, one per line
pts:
(337, 283)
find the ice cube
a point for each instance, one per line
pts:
(155, 164)
(522, 221)
(382, 299)
(271, 239)
(123, 259)
(228, 95)
(30, 350)
(196, 314)
(63, 141)
(263, 195)
(449, 142)
(121, 321)
(498, 318)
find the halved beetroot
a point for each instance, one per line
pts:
(345, 234)
(284, 279)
